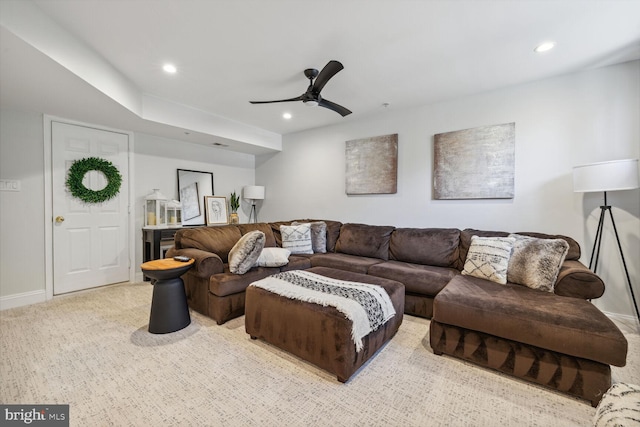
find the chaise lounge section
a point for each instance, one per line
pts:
(557, 338)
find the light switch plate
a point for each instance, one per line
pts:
(9, 185)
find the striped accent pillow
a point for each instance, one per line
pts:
(619, 406)
(488, 258)
(297, 238)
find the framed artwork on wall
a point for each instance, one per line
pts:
(190, 201)
(216, 210)
(372, 165)
(476, 163)
(193, 187)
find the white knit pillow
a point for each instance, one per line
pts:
(273, 257)
(297, 238)
(488, 258)
(318, 236)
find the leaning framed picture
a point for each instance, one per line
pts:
(216, 210)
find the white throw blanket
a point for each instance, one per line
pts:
(367, 306)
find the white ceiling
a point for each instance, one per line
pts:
(405, 53)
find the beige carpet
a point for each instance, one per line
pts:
(92, 350)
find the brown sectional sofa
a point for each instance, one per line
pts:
(557, 339)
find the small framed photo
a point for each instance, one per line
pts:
(216, 210)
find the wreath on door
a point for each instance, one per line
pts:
(80, 168)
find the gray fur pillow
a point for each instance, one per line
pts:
(246, 251)
(535, 263)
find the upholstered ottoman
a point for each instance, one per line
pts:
(320, 334)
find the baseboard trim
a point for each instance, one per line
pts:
(20, 300)
(139, 277)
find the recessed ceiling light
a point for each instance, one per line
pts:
(543, 47)
(169, 68)
(287, 116)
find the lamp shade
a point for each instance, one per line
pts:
(606, 176)
(253, 192)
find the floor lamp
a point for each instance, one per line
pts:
(607, 176)
(253, 193)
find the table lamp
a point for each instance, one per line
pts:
(253, 193)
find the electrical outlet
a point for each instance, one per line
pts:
(9, 185)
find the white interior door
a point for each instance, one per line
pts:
(90, 241)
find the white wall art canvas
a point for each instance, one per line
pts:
(476, 163)
(372, 165)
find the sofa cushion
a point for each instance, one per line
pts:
(576, 280)
(206, 263)
(355, 263)
(488, 258)
(297, 238)
(297, 262)
(429, 246)
(418, 279)
(535, 263)
(565, 325)
(365, 240)
(333, 234)
(273, 257)
(318, 235)
(228, 283)
(218, 240)
(269, 239)
(245, 252)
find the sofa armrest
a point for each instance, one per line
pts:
(576, 280)
(207, 263)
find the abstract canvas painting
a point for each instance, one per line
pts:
(372, 165)
(476, 163)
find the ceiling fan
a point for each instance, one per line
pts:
(312, 96)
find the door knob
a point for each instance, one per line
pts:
(59, 219)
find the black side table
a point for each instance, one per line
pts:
(169, 308)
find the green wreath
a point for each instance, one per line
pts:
(79, 169)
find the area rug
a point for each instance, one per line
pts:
(91, 350)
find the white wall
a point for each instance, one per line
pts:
(22, 268)
(560, 123)
(155, 161)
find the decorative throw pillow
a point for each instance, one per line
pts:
(535, 263)
(488, 258)
(273, 257)
(246, 251)
(619, 406)
(297, 238)
(318, 236)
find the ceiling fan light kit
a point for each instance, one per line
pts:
(312, 96)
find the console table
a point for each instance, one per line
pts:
(153, 239)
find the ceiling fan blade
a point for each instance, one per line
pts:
(335, 107)
(297, 98)
(329, 70)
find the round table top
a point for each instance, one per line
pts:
(165, 264)
(166, 269)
